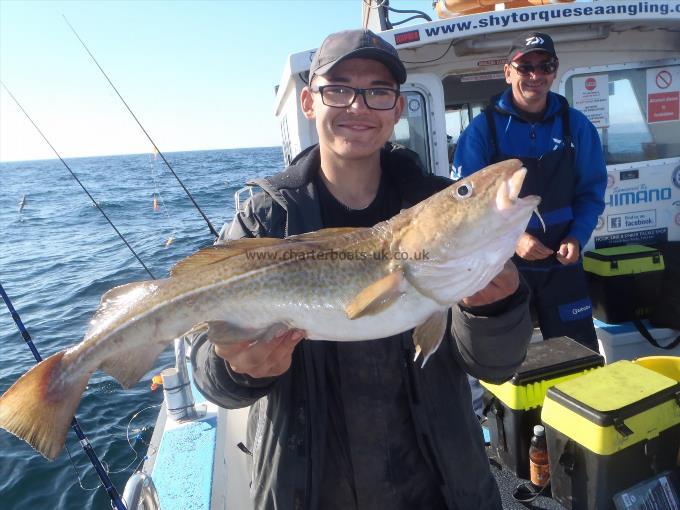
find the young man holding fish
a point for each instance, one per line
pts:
(562, 152)
(360, 425)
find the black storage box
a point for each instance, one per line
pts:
(624, 281)
(609, 430)
(514, 407)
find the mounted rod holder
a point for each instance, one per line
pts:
(179, 399)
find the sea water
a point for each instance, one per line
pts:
(59, 255)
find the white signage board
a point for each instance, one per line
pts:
(642, 206)
(663, 94)
(591, 97)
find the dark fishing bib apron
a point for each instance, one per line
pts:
(560, 299)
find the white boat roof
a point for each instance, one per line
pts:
(487, 32)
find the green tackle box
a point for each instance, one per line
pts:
(624, 281)
(609, 430)
(514, 407)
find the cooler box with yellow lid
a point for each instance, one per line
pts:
(514, 407)
(624, 281)
(609, 430)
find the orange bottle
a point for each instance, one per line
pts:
(539, 468)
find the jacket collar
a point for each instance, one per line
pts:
(401, 166)
(556, 105)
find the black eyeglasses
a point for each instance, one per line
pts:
(342, 96)
(526, 69)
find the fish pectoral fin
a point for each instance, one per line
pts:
(223, 332)
(130, 366)
(428, 336)
(376, 297)
(220, 252)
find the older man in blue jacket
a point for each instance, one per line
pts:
(562, 152)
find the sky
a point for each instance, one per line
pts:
(198, 75)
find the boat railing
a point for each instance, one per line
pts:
(239, 203)
(140, 493)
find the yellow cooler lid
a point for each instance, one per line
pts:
(623, 260)
(612, 407)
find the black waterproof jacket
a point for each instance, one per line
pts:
(286, 428)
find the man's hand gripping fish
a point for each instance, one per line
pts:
(338, 284)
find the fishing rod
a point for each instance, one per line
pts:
(78, 181)
(210, 225)
(116, 500)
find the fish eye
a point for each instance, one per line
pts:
(463, 191)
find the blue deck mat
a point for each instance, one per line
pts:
(184, 466)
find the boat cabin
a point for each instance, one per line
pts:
(619, 65)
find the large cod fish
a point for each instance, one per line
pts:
(337, 284)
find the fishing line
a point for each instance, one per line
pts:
(158, 197)
(78, 181)
(150, 452)
(82, 439)
(80, 479)
(210, 225)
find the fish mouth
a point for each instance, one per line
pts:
(508, 192)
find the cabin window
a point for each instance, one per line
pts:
(465, 96)
(458, 117)
(635, 110)
(411, 130)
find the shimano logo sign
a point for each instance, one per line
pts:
(638, 197)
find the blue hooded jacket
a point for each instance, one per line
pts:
(519, 138)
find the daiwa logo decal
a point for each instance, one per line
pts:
(534, 40)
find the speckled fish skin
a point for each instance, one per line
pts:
(419, 263)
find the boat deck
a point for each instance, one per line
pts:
(507, 482)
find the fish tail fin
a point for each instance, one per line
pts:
(38, 408)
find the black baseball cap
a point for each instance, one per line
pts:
(530, 42)
(359, 43)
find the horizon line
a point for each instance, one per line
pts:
(55, 158)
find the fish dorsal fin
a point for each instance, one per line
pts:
(376, 297)
(220, 252)
(325, 233)
(113, 294)
(213, 254)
